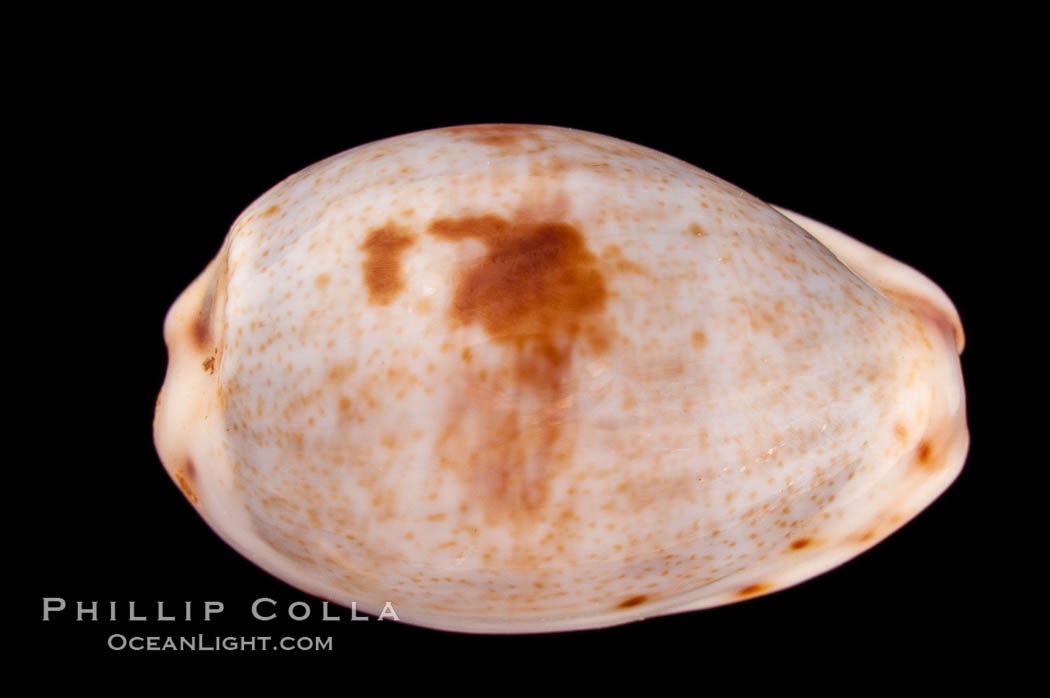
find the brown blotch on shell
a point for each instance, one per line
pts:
(633, 601)
(209, 364)
(537, 283)
(510, 139)
(537, 292)
(382, 266)
(801, 543)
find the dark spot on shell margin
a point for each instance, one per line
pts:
(201, 329)
(924, 453)
(753, 590)
(184, 478)
(633, 601)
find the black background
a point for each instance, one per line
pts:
(146, 170)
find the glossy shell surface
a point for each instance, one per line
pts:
(521, 378)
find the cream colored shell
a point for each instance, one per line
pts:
(518, 378)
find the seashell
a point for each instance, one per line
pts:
(519, 378)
